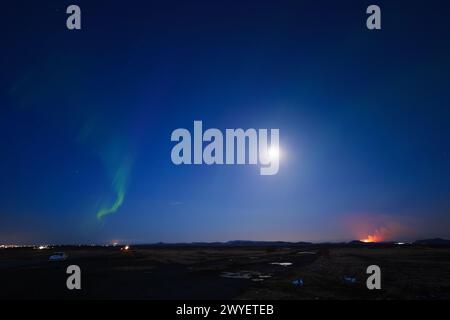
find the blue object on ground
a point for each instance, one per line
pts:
(298, 282)
(349, 279)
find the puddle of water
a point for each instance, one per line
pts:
(251, 275)
(236, 275)
(306, 252)
(284, 264)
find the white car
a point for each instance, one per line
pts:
(58, 256)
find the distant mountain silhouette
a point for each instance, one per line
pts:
(356, 242)
(250, 243)
(233, 243)
(359, 243)
(433, 242)
(244, 243)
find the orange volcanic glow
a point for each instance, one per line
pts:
(372, 238)
(372, 228)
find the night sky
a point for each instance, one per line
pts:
(86, 119)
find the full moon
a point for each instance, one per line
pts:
(274, 153)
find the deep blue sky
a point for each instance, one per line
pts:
(364, 120)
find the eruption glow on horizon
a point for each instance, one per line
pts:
(371, 228)
(372, 238)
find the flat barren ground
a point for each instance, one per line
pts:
(408, 272)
